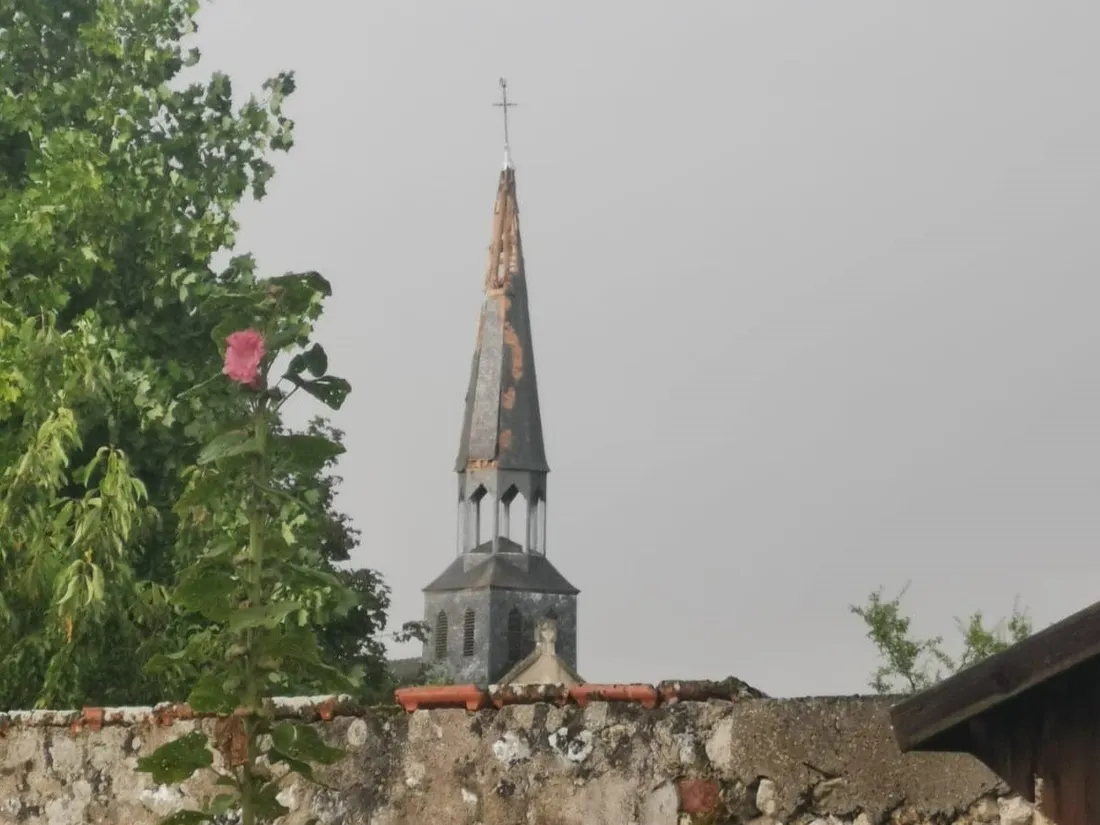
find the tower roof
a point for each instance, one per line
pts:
(510, 569)
(502, 426)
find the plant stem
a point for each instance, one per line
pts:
(285, 398)
(255, 597)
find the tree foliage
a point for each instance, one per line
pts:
(908, 663)
(118, 188)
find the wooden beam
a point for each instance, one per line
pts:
(1048, 739)
(918, 720)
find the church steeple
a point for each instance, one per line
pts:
(502, 427)
(501, 454)
(484, 606)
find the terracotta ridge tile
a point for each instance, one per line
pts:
(426, 697)
(470, 697)
(466, 696)
(644, 695)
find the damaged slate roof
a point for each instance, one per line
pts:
(502, 425)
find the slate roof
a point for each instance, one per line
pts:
(502, 424)
(502, 571)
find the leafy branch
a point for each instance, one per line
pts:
(909, 664)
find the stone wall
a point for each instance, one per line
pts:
(753, 760)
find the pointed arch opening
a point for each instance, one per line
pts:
(468, 633)
(481, 525)
(439, 637)
(515, 635)
(536, 523)
(514, 517)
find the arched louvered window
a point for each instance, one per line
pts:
(515, 635)
(468, 633)
(441, 636)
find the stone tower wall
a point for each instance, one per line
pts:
(460, 668)
(532, 606)
(490, 659)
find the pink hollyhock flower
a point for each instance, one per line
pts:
(244, 350)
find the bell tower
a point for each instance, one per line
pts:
(484, 608)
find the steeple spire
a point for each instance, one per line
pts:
(501, 455)
(502, 427)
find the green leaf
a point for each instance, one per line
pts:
(308, 452)
(175, 761)
(209, 696)
(295, 643)
(291, 335)
(223, 803)
(222, 548)
(265, 615)
(299, 283)
(311, 577)
(306, 576)
(328, 389)
(336, 680)
(95, 590)
(234, 442)
(235, 313)
(313, 359)
(303, 743)
(165, 661)
(296, 765)
(207, 590)
(316, 360)
(266, 805)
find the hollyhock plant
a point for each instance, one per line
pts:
(244, 351)
(257, 591)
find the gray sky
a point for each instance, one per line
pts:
(814, 293)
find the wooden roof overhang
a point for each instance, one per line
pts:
(1030, 713)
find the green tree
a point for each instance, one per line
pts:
(118, 189)
(908, 663)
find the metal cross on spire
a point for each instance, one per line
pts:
(505, 105)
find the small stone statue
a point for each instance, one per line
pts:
(547, 635)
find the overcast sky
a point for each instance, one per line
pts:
(814, 290)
